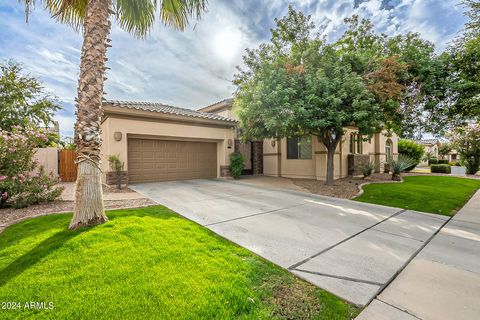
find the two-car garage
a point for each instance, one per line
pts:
(157, 142)
(152, 160)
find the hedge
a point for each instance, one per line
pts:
(440, 168)
(442, 161)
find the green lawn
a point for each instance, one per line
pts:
(148, 263)
(435, 194)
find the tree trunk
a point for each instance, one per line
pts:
(89, 208)
(330, 164)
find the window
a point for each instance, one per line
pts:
(388, 150)
(359, 144)
(356, 143)
(352, 143)
(299, 148)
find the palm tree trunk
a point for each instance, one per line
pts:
(89, 208)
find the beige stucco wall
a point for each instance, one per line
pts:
(162, 129)
(275, 162)
(48, 158)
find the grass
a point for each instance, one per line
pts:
(434, 194)
(148, 263)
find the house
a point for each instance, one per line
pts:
(432, 146)
(158, 142)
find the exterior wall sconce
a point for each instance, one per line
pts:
(229, 143)
(117, 135)
(273, 142)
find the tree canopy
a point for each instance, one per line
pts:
(298, 85)
(23, 100)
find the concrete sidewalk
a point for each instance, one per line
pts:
(443, 280)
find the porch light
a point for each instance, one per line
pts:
(117, 135)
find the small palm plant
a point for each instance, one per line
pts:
(117, 166)
(367, 170)
(428, 156)
(400, 165)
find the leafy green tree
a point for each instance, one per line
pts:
(23, 100)
(296, 86)
(444, 149)
(465, 75)
(93, 18)
(466, 140)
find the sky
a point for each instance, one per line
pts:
(195, 68)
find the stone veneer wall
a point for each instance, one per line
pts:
(111, 178)
(257, 157)
(356, 163)
(225, 171)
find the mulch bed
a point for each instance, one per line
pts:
(344, 188)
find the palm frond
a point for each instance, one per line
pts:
(135, 16)
(176, 13)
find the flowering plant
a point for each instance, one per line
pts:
(22, 180)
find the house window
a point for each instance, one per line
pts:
(388, 150)
(299, 148)
(359, 144)
(356, 143)
(352, 143)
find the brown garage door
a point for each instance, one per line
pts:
(162, 160)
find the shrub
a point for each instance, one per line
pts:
(412, 150)
(236, 164)
(22, 181)
(442, 161)
(400, 165)
(117, 166)
(433, 160)
(368, 169)
(454, 164)
(440, 168)
(472, 164)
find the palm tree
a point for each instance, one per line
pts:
(93, 17)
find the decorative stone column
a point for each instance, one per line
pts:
(257, 157)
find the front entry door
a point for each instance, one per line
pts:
(246, 150)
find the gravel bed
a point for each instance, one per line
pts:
(344, 188)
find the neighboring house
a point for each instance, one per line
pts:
(159, 143)
(432, 146)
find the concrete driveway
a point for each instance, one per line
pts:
(349, 248)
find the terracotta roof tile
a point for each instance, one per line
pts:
(166, 109)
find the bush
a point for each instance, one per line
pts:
(472, 164)
(368, 169)
(433, 160)
(440, 168)
(22, 181)
(454, 164)
(412, 150)
(442, 161)
(236, 164)
(400, 165)
(117, 166)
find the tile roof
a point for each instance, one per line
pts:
(428, 141)
(166, 109)
(221, 103)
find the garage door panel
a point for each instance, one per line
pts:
(163, 160)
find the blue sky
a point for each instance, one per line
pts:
(195, 68)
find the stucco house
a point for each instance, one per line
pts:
(158, 142)
(432, 146)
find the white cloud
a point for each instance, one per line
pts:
(195, 67)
